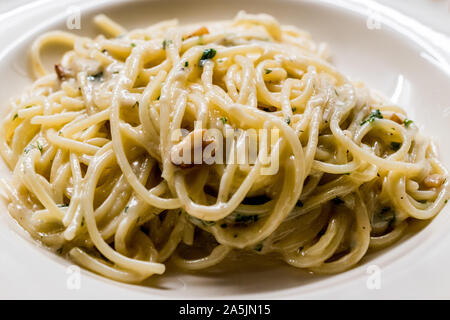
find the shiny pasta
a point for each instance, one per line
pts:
(89, 146)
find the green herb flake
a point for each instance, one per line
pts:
(241, 218)
(207, 55)
(165, 43)
(15, 116)
(96, 77)
(133, 45)
(258, 247)
(224, 120)
(407, 123)
(395, 145)
(82, 222)
(126, 209)
(39, 146)
(186, 64)
(288, 120)
(386, 215)
(294, 109)
(267, 71)
(375, 114)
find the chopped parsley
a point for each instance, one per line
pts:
(133, 45)
(126, 209)
(63, 205)
(258, 247)
(186, 64)
(294, 109)
(407, 123)
(96, 77)
(224, 120)
(375, 114)
(267, 71)
(207, 55)
(288, 120)
(241, 218)
(31, 146)
(165, 43)
(39, 146)
(386, 215)
(395, 145)
(15, 116)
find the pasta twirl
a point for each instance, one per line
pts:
(98, 145)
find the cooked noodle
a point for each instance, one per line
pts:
(91, 148)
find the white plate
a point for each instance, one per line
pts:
(401, 58)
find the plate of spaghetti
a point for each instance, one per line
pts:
(241, 153)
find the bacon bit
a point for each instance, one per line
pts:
(188, 142)
(62, 73)
(433, 181)
(394, 117)
(267, 108)
(199, 32)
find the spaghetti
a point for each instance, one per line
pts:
(92, 149)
